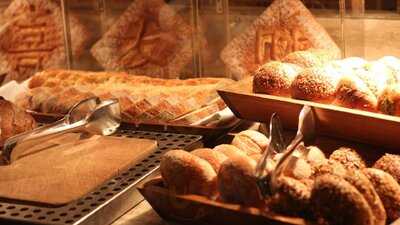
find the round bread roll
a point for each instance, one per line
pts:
(330, 167)
(352, 92)
(250, 141)
(316, 84)
(390, 164)
(312, 154)
(358, 179)
(213, 157)
(389, 100)
(297, 168)
(388, 190)
(292, 197)
(185, 173)
(339, 202)
(229, 151)
(348, 157)
(275, 78)
(237, 182)
(309, 58)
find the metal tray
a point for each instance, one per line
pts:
(110, 200)
(209, 133)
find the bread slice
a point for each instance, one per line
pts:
(33, 38)
(285, 26)
(149, 38)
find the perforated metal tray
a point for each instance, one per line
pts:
(110, 200)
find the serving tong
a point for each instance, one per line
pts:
(88, 117)
(304, 135)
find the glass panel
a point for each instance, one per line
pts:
(265, 30)
(31, 38)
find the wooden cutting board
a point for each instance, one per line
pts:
(69, 168)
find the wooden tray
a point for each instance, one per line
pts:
(208, 132)
(349, 124)
(195, 209)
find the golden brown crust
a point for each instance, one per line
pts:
(390, 164)
(292, 197)
(230, 151)
(388, 190)
(250, 141)
(333, 196)
(348, 157)
(275, 78)
(352, 92)
(389, 100)
(366, 188)
(237, 183)
(13, 120)
(142, 99)
(316, 84)
(185, 173)
(213, 157)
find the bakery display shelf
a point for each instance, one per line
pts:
(111, 199)
(208, 132)
(334, 121)
(196, 209)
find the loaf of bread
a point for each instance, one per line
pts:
(285, 26)
(142, 99)
(352, 82)
(316, 84)
(250, 142)
(32, 38)
(149, 38)
(275, 78)
(185, 173)
(13, 120)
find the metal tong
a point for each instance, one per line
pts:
(90, 116)
(276, 145)
(305, 133)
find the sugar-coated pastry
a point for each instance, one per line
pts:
(237, 182)
(275, 78)
(213, 157)
(229, 150)
(250, 141)
(185, 173)
(316, 84)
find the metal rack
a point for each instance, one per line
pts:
(108, 201)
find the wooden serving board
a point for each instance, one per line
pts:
(334, 121)
(68, 168)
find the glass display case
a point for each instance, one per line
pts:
(95, 94)
(359, 28)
